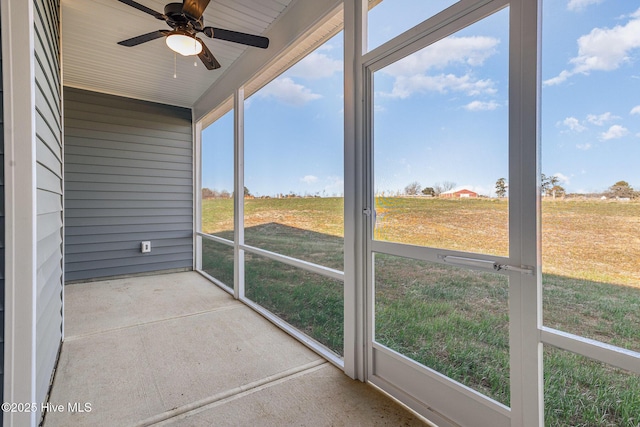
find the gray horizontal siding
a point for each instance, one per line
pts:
(71, 205)
(49, 221)
(128, 178)
(104, 173)
(86, 240)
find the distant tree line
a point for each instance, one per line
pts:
(208, 193)
(501, 187)
(622, 190)
(550, 187)
(415, 189)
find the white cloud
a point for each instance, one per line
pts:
(326, 47)
(443, 83)
(472, 51)
(635, 110)
(575, 5)
(573, 124)
(562, 178)
(316, 66)
(379, 108)
(335, 185)
(603, 49)
(309, 179)
(584, 146)
(481, 106)
(288, 91)
(411, 76)
(482, 190)
(601, 119)
(614, 132)
(560, 78)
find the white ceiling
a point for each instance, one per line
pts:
(93, 60)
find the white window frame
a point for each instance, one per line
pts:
(239, 245)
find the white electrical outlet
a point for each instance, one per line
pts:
(145, 247)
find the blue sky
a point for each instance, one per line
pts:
(441, 114)
(591, 93)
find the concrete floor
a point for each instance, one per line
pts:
(176, 350)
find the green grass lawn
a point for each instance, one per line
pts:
(451, 319)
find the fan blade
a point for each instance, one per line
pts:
(134, 41)
(194, 8)
(144, 9)
(233, 36)
(207, 57)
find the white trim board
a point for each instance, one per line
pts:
(18, 74)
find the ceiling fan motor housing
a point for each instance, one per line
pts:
(177, 19)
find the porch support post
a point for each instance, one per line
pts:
(527, 407)
(238, 199)
(355, 13)
(18, 77)
(197, 192)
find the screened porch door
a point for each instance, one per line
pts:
(447, 240)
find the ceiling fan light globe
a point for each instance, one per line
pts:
(183, 44)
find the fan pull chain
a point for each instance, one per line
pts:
(195, 48)
(175, 65)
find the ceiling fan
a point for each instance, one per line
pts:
(186, 22)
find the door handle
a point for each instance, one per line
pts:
(370, 212)
(485, 264)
